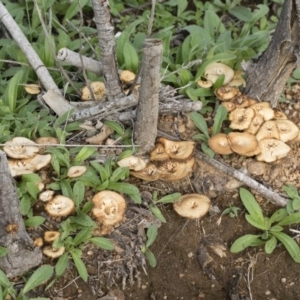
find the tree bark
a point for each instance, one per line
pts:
(267, 77)
(21, 253)
(147, 112)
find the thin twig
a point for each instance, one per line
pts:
(151, 19)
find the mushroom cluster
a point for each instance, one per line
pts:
(169, 161)
(261, 130)
(98, 89)
(23, 156)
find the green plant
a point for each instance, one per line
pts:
(232, 211)
(271, 227)
(293, 204)
(151, 236)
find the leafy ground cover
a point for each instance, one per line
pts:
(194, 34)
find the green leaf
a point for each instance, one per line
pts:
(100, 169)
(82, 236)
(205, 148)
(25, 205)
(296, 203)
(73, 9)
(251, 205)
(127, 188)
(82, 219)
(125, 154)
(151, 235)
(115, 126)
(131, 58)
(120, 173)
(243, 242)
(3, 252)
(278, 215)
(103, 243)
(35, 178)
(62, 264)
(151, 258)
(157, 213)
(270, 245)
(276, 228)
(291, 219)
(256, 223)
(80, 266)
(4, 281)
(218, 119)
(78, 192)
(85, 153)
(291, 191)
(200, 122)
(35, 221)
(38, 277)
(32, 189)
(169, 198)
(290, 245)
(242, 13)
(66, 188)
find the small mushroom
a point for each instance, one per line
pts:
(241, 101)
(53, 252)
(20, 147)
(214, 70)
(32, 89)
(204, 83)
(127, 77)
(158, 153)
(279, 115)
(98, 89)
(51, 236)
(109, 207)
(226, 93)
(28, 165)
(287, 130)
(242, 142)
(150, 173)
(46, 195)
(263, 109)
(241, 118)
(238, 79)
(60, 206)
(229, 106)
(43, 141)
(133, 163)
(38, 242)
(178, 150)
(272, 150)
(219, 144)
(76, 171)
(99, 138)
(255, 124)
(268, 130)
(192, 206)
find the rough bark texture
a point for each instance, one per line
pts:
(266, 78)
(147, 111)
(21, 254)
(105, 28)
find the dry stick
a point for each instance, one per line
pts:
(147, 112)
(22, 255)
(107, 44)
(253, 184)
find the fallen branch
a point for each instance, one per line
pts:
(273, 197)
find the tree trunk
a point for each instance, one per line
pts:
(21, 254)
(267, 77)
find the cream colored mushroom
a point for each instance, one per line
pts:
(76, 171)
(238, 79)
(179, 150)
(287, 130)
(20, 147)
(272, 150)
(60, 206)
(38, 242)
(46, 195)
(127, 76)
(99, 138)
(47, 140)
(219, 144)
(241, 118)
(214, 70)
(134, 163)
(226, 93)
(229, 106)
(279, 115)
(51, 236)
(53, 252)
(150, 173)
(158, 153)
(268, 130)
(109, 207)
(255, 124)
(192, 206)
(32, 88)
(204, 83)
(29, 165)
(98, 89)
(241, 101)
(242, 142)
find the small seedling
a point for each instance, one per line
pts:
(293, 204)
(151, 236)
(232, 211)
(271, 227)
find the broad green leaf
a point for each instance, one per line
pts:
(219, 82)
(290, 219)
(3, 252)
(242, 13)
(74, 8)
(100, 169)
(35, 178)
(61, 264)
(296, 203)
(85, 153)
(62, 119)
(157, 213)
(80, 266)
(291, 191)
(270, 245)
(151, 235)
(276, 228)
(78, 192)
(256, 223)
(243, 242)
(103, 243)
(205, 148)
(218, 119)
(127, 188)
(125, 154)
(90, 177)
(32, 189)
(35, 221)
(82, 236)
(4, 281)
(66, 228)
(200, 122)
(182, 5)
(169, 198)
(66, 188)
(25, 205)
(38, 277)
(82, 219)
(115, 126)
(251, 205)
(151, 258)
(290, 245)
(278, 215)
(120, 173)
(131, 58)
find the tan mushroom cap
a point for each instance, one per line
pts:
(47, 140)
(76, 171)
(226, 93)
(52, 252)
(192, 206)
(219, 144)
(241, 101)
(241, 118)
(255, 124)
(127, 76)
(46, 195)
(214, 70)
(150, 173)
(204, 83)
(272, 150)
(279, 115)
(263, 109)
(20, 147)
(229, 106)
(134, 163)
(242, 142)
(38, 242)
(32, 88)
(287, 130)
(158, 153)
(99, 138)
(28, 165)
(178, 150)
(109, 207)
(268, 130)
(60, 206)
(50, 236)
(238, 79)
(98, 89)
(174, 170)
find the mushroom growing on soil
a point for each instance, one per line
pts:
(204, 83)
(241, 118)
(255, 124)
(242, 142)
(98, 89)
(268, 130)
(127, 77)
(193, 206)
(53, 252)
(158, 153)
(51, 236)
(214, 70)
(76, 171)
(99, 138)
(60, 206)
(133, 163)
(219, 144)
(287, 130)
(226, 93)
(20, 147)
(46, 195)
(178, 150)
(150, 173)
